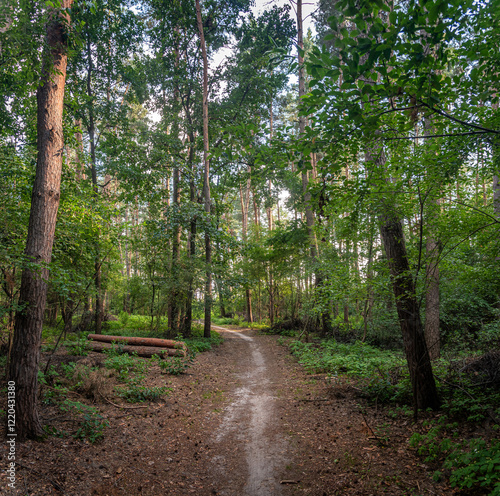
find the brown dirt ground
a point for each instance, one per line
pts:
(244, 420)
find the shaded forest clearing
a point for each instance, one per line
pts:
(244, 419)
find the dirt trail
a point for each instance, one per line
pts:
(250, 421)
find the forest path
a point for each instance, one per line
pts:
(244, 420)
(250, 422)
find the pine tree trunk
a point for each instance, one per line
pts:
(206, 177)
(174, 309)
(191, 243)
(23, 369)
(249, 316)
(91, 130)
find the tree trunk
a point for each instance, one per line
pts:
(431, 329)
(425, 394)
(191, 248)
(245, 203)
(249, 316)
(302, 126)
(91, 131)
(173, 310)
(67, 310)
(23, 369)
(174, 297)
(309, 214)
(206, 177)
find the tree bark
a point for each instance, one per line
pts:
(23, 369)
(174, 309)
(425, 393)
(248, 295)
(91, 131)
(431, 328)
(191, 248)
(206, 177)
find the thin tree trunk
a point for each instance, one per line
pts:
(126, 296)
(91, 130)
(431, 328)
(191, 243)
(309, 214)
(206, 176)
(23, 369)
(173, 314)
(369, 277)
(248, 295)
(245, 203)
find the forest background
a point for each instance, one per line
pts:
(343, 184)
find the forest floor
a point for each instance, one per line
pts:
(245, 420)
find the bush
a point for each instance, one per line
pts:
(489, 337)
(138, 394)
(125, 364)
(123, 318)
(176, 365)
(79, 348)
(93, 424)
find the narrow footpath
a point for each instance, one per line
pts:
(250, 422)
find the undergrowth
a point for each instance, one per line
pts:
(467, 463)
(136, 393)
(357, 359)
(470, 394)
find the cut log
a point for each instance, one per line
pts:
(142, 351)
(134, 341)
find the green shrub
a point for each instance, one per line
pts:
(135, 393)
(357, 359)
(125, 364)
(471, 464)
(93, 424)
(199, 344)
(489, 337)
(123, 318)
(176, 365)
(79, 348)
(477, 465)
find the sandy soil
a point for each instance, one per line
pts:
(244, 421)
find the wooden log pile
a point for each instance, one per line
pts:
(144, 347)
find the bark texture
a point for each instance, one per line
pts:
(431, 329)
(206, 176)
(23, 369)
(137, 341)
(425, 393)
(142, 351)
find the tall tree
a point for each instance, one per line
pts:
(23, 370)
(206, 176)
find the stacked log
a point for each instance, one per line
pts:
(144, 347)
